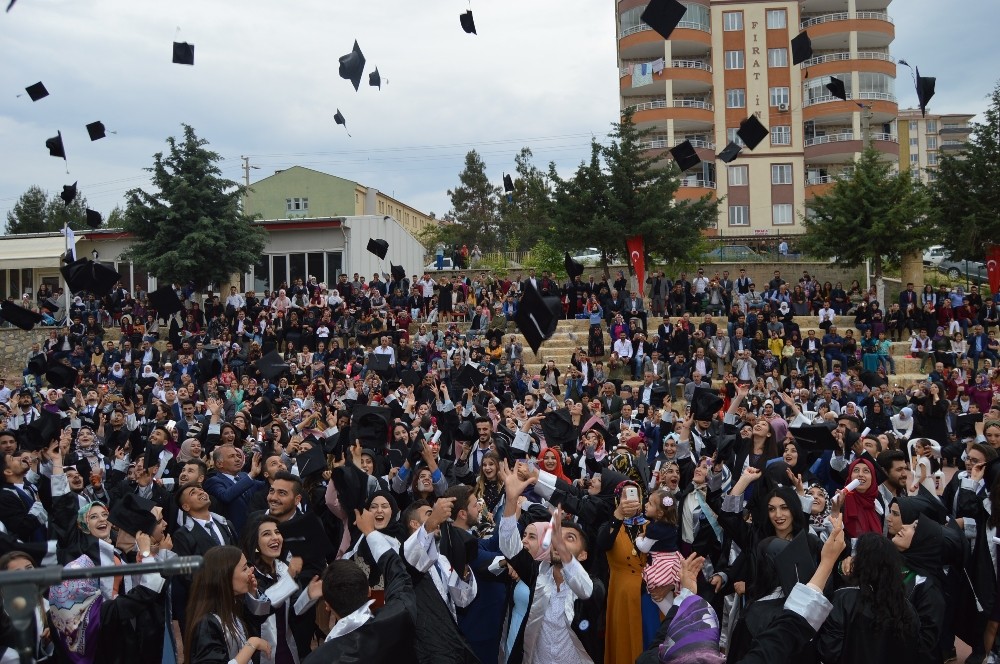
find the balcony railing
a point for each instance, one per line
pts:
(690, 64)
(690, 25)
(838, 57)
(844, 16)
(661, 144)
(885, 137)
(870, 96)
(706, 184)
(634, 29)
(677, 103)
(821, 179)
(830, 138)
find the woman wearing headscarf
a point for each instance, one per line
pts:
(383, 506)
(858, 506)
(819, 512)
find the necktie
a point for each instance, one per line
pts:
(214, 533)
(25, 495)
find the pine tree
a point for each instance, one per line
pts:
(526, 212)
(475, 207)
(36, 212)
(191, 230)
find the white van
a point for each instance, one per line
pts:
(934, 255)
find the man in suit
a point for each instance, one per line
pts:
(150, 355)
(202, 529)
(611, 403)
(718, 350)
(232, 487)
(907, 297)
(634, 308)
(358, 635)
(625, 422)
(655, 365)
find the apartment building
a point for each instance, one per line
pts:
(728, 59)
(922, 139)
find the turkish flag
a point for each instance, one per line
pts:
(993, 267)
(637, 258)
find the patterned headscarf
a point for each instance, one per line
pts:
(639, 518)
(75, 609)
(818, 520)
(81, 516)
(694, 629)
(625, 464)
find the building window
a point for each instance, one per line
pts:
(914, 142)
(814, 89)
(781, 135)
(733, 137)
(932, 143)
(738, 176)
(732, 21)
(739, 215)
(932, 159)
(734, 59)
(778, 96)
(777, 19)
(781, 173)
(777, 57)
(781, 214)
(296, 204)
(913, 125)
(931, 126)
(872, 83)
(914, 159)
(736, 98)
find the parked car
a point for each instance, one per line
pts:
(432, 266)
(934, 255)
(975, 271)
(589, 256)
(734, 253)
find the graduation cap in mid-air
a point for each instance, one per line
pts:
(468, 23)
(378, 247)
(164, 299)
(183, 53)
(68, 193)
(537, 317)
(508, 183)
(730, 152)
(559, 429)
(470, 376)
(301, 540)
(352, 65)
(663, 16)
(19, 316)
(925, 90)
(573, 268)
(94, 218)
(311, 461)
(752, 132)
(837, 88)
(133, 514)
(96, 130)
(272, 365)
(458, 546)
(55, 146)
(61, 376)
(802, 48)
(379, 363)
(685, 155)
(705, 403)
(37, 91)
(398, 272)
(339, 118)
(86, 275)
(40, 432)
(375, 80)
(814, 437)
(370, 425)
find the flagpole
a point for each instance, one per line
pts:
(70, 251)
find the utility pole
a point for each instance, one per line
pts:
(866, 124)
(246, 170)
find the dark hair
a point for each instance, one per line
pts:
(202, 466)
(666, 514)
(249, 536)
(876, 572)
(570, 524)
(889, 457)
(345, 587)
(286, 476)
(9, 557)
(794, 504)
(460, 493)
(764, 578)
(408, 513)
(212, 593)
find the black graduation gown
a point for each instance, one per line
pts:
(848, 637)
(208, 642)
(757, 618)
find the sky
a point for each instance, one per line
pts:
(540, 73)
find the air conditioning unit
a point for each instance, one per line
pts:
(783, 108)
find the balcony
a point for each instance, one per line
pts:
(868, 61)
(641, 41)
(661, 144)
(874, 29)
(829, 110)
(703, 184)
(953, 146)
(688, 115)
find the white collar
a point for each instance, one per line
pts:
(351, 622)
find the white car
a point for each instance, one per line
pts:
(588, 256)
(448, 265)
(934, 256)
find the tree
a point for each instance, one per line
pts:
(875, 214)
(475, 208)
(526, 212)
(581, 211)
(966, 194)
(36, 212)
(192, 230)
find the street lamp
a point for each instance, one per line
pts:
(95, 254)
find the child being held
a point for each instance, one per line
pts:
(663, 566)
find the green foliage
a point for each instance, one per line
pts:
(966, 194)
(545, 257)
(36, 212)
(873, 214)
(526, 213)
(497, 266)
(475, 208)
(192, 228)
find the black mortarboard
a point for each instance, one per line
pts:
(508, 182)
(272, 365)
(374, 79)
(209, 366)
(752, 132)
(305, 537)
(837, 88)
(378, 247)
(83, 467)
(37, 91)
(183, 53)
(705, 403)
(94, 219)
(133, 514)
(468, 24)
(68, 193)
(465, 431)
(802, 48)
(814, 437)
(151, 458)
(86, 275)
(469, 376)
(40, 432)
(370, 425)
(55, 146)
(925, 90)
(731, 152)
(378, 362)
(19, 316)
(398, 272)
(311, 461)
(36, 365)
(96, 130)
(663, 16)
(795, 563)
(61, 376)
(352, 65)
(537, 317)
(559, 430)
(685, 155)
(573, 268)
(410, 378)
(458, 546)
(164, 299)
(338, 117)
